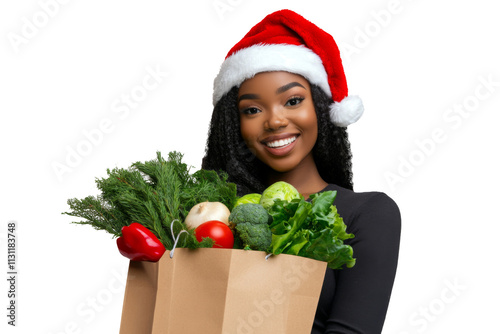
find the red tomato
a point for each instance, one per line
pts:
(216, 230)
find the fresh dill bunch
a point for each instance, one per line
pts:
(208, 186)
(154, 193)
(97, 213)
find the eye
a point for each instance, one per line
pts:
(294, 101)
(250, 111)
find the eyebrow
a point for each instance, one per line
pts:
(248, 97)
(286, 87)
(280, 90)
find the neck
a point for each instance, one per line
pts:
(305, 177)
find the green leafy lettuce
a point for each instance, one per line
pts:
(311, 229)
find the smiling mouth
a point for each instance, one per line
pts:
(281, 142)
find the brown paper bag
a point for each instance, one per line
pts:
(222, 291)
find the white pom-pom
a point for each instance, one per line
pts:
(347, 111)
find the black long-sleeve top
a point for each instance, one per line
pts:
(355, 300)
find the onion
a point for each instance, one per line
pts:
(205, 211)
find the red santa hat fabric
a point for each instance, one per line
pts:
(286, 41)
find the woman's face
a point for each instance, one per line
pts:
(278, 120)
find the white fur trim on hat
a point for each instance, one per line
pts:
(347, 111)
(246, 63)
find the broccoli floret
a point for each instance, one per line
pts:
(250, 223)
(253, 236)
(250, 213)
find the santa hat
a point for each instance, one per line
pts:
(285, 41)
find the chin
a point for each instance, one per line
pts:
(281, 167)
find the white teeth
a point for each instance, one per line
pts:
(281, 142)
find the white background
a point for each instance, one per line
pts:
(66, 66)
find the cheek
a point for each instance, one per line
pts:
(309, 124)
(249, 131)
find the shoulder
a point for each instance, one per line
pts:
(371, 210)
(354, 202)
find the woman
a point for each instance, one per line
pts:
(281, 111)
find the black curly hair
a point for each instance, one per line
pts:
(226, 151)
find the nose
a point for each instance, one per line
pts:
(276, 120)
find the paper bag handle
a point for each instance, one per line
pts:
(173, 236)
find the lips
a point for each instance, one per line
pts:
(281, 144)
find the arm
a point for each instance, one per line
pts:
(362, 293)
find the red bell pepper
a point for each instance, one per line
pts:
(139, 244)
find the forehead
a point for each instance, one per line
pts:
(271, 81)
